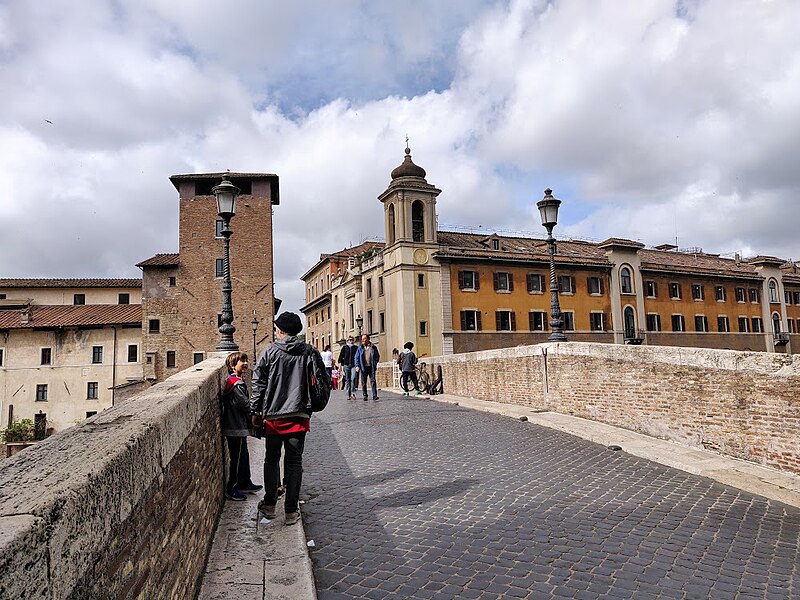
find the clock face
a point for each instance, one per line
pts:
(420, 256)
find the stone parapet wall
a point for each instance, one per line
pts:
(744, 404)
(123, 505)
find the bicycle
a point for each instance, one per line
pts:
(423, 377)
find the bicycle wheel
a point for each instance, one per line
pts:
(424, 382)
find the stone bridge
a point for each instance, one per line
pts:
(126, 504)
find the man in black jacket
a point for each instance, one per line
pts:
(280, 404)
(347, 357)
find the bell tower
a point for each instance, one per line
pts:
(411, 274)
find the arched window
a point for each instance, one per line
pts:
(630, 322)
(418, 221)
(773, 291)
(391, 231)
(625, 280)
(776, 322)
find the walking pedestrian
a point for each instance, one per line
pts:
(280, 400)
(367, 359)
(236, 428)
(407, 361)
(327, 359)
(335, 377)
(347, 356)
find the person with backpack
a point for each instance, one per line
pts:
(407, 361)
(236, 428)
(289, 378)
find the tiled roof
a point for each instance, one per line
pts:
(70, 283)
(470, 245)
(355, 250)
(72, 316)
(161, 260)
(700, 263)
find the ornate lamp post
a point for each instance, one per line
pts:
(359, 323)
(254, 324)
(226, 194)
(548, 210)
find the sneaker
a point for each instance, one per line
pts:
(235, 495)
(365, 398)
(266, 509)
(374, 398)
(250, 488)
(292, 517)
(419, 393)
(405, 393)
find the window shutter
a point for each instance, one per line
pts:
(477, 283)
(478, 319)
(530, 321)
(558, 284)
(513, 321)
(511, 283)
(530, 277)
(463, 321)
(461, 283)
(588, 285)
(655, 289)
(606, 320)
(497, 321)
(602, 284)
(496, 286)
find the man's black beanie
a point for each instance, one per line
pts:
(289, 322)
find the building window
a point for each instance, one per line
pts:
(651, 289)
(418, 221)
(470, 320)
(351, 315)
(97, 355)
(91, 390)
(719, 293)
(597, 321)
(776, 322)
(535, 283)
(569, 320)
(123, 299)
(368, 285)
(219, 267)
(740, 297)
(391, 224)
(79, 299)
(700, 323)
(2, 296)
(595, 285)
(382, 321)
(787, 296)
(674, 290)
(369, 322)
(678, 323)
(170, 359)
(197, 357)
(744, 325)
(503, 282)
(537, 320)
(495, 244)
(173, 281)
(773, 291)
(133, 353)
(722, 324)
(421, 280)
(2, 356)
(41, 392)
(423, 328)
(505, 320)
(566, 284)
(653, 322)
(698, 291)
(796, 296)
(758, 325)
(219, 224)
(47, 356)
(90, 413)
(626, 282)
(790, 323)
(380, 286)
(754, 295)
(468, 280)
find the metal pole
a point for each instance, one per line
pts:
(227, 328)
(556, 322)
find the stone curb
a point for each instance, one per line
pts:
(749, 477)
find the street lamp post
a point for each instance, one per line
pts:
(359, 323)
(226, 194)
(548, 211)
(254, 323)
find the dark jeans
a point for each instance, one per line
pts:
(239, 467)
(369, 373)
(405, 376)
(292, 468)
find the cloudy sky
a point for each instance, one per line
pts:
(653, 120)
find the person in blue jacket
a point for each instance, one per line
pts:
(367, 359)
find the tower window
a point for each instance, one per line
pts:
(418, 221)
(391, 224)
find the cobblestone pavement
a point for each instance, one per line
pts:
(412, 498)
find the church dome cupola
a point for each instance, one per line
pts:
(408, 168)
